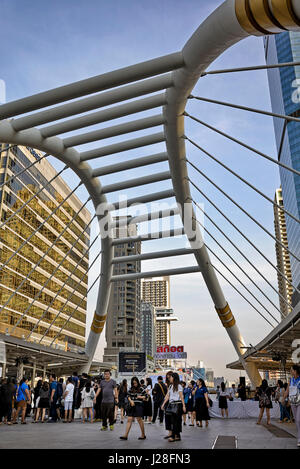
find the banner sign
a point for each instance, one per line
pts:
(166, 352)
(132, 362)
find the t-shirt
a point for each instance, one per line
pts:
(107, 388)
(53, 385)
(21, 395)
(200, 392)
(70, 391)
(174, 395)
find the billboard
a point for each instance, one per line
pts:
(132, 362)
(173, 352)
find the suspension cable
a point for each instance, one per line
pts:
(16, 176)
(245, 108)
(246, 182)
(245, 257)
(62, 287)
(244, 211)
(64, 325)
(39, 262)
(40, 226)
(239, 142)
(249, 69)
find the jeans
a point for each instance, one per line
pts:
(107, 412)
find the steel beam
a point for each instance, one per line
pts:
(94, 102)
(118, 186)
(149, 236)
(152, 255)
(156, 273)
(108, 132)
(132, 164)
(143, 199)
(122, 146)
(95, 84)
(169, 212)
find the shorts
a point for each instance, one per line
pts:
(21, 404)
(68, 405)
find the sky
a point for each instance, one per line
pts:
(47, 44)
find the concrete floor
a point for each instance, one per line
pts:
(88, 436)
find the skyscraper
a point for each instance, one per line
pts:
(148, 328)
(123, 326)
(156, 291)
(282, 256)
(164, 317)
(54, 308)
(284, 86)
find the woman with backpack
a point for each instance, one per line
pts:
(265, 401)
(87, 398)
(44, 401)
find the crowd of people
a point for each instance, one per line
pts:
(173, 402)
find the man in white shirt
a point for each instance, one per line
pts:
(68, 397)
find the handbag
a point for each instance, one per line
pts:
(173, 408)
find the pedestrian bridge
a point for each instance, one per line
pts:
(58, 122)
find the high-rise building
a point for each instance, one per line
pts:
(123, 328)
(164, 317)
(156, 291)
(283, 257)
(284, 86)
(54, 308)
(148, 328)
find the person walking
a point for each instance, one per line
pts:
(87, 398)
(6, 401)
(44, 402)
(201, 403)
(176, 406)
(97, 404)
(148, 401)
(36, 397)
(108, 387)
(53, 399)
(136, 397)
(122, 396)
(293, 392)
(168, 423)
(68, 397)
(265, 401)
(23, 396)
(158, 393)
(224, 395)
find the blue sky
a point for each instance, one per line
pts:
(48, 44)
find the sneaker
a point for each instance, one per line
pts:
(103, 429)
(111, 427)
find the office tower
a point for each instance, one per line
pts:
(156, 291)
(148, 328)
(43, 319)
(284, 86)
(282, 256)
(123, 327)
(164, 317)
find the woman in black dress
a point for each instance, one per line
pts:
(121, 398)
(44, 402)
(223, 400)
(265, 401)
(136, 397)
(148, 402)
(201, 403)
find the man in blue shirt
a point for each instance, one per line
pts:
(22, 397)
(53, 398)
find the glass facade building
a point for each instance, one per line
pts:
(55, 308)
(284, 86)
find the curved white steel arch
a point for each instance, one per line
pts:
(233, 21)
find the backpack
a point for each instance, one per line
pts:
(264, 399)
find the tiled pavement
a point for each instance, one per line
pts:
(87, 436)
